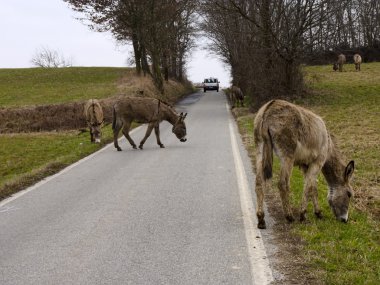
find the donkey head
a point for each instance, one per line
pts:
(95, 131)
(340, 194)
(179, 128)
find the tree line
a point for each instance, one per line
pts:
(265, 41)
(161, 32)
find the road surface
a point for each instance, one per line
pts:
(179, 215)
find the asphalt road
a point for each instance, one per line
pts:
(179, 215)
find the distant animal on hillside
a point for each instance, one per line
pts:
(299, 137)
(357, 61)
(145, 110)
(341, 61)
(236, 97)
(93, 113)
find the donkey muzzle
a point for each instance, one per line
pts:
(183, 140)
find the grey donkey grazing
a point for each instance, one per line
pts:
(299, 137)
(357, 61)
(93, 113)
(145, 110)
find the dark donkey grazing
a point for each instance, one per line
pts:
(341, 61)
(93, 113)
(236, 97)
(299, 137)
(145, 110)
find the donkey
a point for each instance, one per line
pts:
(357, 61)
(341, 61)
(236, 97)
(299, 137)
(93, 113)
(145, 110)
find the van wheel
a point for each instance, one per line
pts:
(204, 90)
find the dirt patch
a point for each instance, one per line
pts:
(42, 118)
(289, 260)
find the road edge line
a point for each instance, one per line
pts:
(261, 271)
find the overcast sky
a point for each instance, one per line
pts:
(29, 25)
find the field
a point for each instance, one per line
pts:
(37, 86)
(333, 252)
(28, 157)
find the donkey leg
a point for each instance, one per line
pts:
(147, 134)
(284, 187)
(116, 131)
(310, 190)
(157, 133)
(126, 128)
(260, 188)
(92, 136)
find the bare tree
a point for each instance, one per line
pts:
(265, 41)
(48, 58)
(161, 32)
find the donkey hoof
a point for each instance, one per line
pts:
(261, 225)
(162, 146)
(319, 215)
(134, 146)
(119, 149)
(290, 218)
(140, 146)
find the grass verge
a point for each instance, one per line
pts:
(332, 252)
(28, 158)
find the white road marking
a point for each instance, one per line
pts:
(68, 168)
(260, 270)
(8, 209)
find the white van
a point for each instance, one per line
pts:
(211, 84)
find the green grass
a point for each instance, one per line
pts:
(349, 103)
(26, 158)
(37, 86)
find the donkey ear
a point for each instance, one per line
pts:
(349, 170)
(184, 116)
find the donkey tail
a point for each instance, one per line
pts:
(267, 154)
(264, 143)
(113, 118)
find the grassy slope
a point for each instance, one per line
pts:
(36, 86)
(27, 158)
(349, 102)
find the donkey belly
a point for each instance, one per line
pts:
(305, 155)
